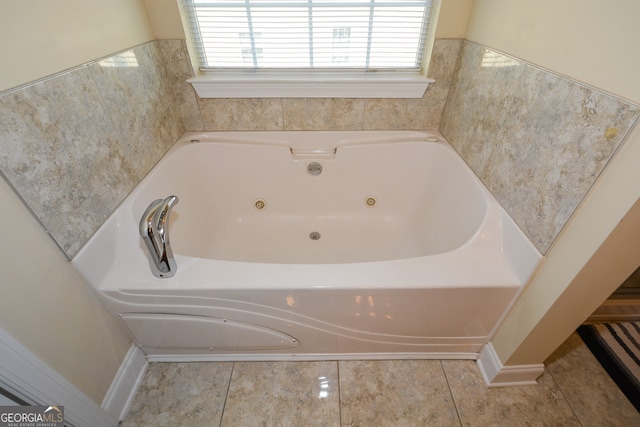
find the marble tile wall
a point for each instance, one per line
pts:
(537, 140)
(73, 145)
(177, 69)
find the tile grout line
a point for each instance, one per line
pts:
(339, 394)
(226, 395)
(455, 405)
(284, 124)
(566, 398)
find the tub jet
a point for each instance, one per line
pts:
(370, 201)
(314, 168)
(314, 235)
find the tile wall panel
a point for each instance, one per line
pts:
(140, 103)
(75, 144)
(220, 114)
(177, 69)
(537, 140)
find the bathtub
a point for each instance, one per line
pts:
(311, 246)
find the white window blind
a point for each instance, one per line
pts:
(312, 34)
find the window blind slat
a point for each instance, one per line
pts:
(365, 34)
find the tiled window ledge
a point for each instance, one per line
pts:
(314, 85)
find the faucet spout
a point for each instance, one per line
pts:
(154, 229)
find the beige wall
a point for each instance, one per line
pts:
(592, 42)
(44, 304)
(165, 19)
(39, 38)
(453, 19)
(47, 307)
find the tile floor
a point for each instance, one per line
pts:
(573, 391)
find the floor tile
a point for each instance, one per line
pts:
(395, 393)
(180, 394)
(574, 391)
(594, 397)
(536, 405)
(283, 394)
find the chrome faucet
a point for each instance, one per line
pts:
(154, 229)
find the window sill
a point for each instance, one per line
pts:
(316, 85)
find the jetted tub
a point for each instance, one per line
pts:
(313, 245)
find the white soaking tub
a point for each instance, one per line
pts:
(394, 249)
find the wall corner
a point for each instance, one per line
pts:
(495, 374)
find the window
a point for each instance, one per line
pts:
(297, 38)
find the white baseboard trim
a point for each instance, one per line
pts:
(27, 377)
(125, 384)
(495, 374)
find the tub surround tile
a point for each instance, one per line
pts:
(180, 394)
(395, 393)
(61, 152)
(424, 113)
(175, 59)
(283, 394)
(442, 67)
(538, 141)
(541, 405)
(139, 102)
(586, 385)
(257, 114)
(323, 113)
(75, 144)
(391, 114)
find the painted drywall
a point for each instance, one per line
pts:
(165, 19)
(39, 38)
(453, 19)
(590, 41)
(46, 306)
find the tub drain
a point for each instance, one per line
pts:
(314, 235)
(260, 204)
